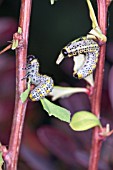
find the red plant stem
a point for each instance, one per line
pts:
(20, 108)
(96, 99)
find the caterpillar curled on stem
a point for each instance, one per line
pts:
(43, 83)
(89, 48)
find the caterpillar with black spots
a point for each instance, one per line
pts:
(43, 83)
(89, 48)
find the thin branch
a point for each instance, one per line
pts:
(96, 99)
(5, 49)
(20, 108)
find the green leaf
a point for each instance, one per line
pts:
(55, 110)
(61, 92)
(96, 31)
(1, 161)
(15, 41)
(19, 30)
(92, 15)
(14, 44)
(83, 121)
(25, 94)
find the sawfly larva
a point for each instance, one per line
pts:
(43, 83)
(89, 48)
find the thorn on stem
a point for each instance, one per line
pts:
(5, 49)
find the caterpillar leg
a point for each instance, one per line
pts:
(28, 72)
(43, 89)
(25, 77)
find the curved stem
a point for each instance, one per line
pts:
(96, 99)
(20, 108)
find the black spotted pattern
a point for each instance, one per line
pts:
(90, 49)
(43, 83)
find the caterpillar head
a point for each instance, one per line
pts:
(32, 59)
(68, 51)
(63, 54)
(74, 48)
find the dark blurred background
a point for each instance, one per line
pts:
(47, 143)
